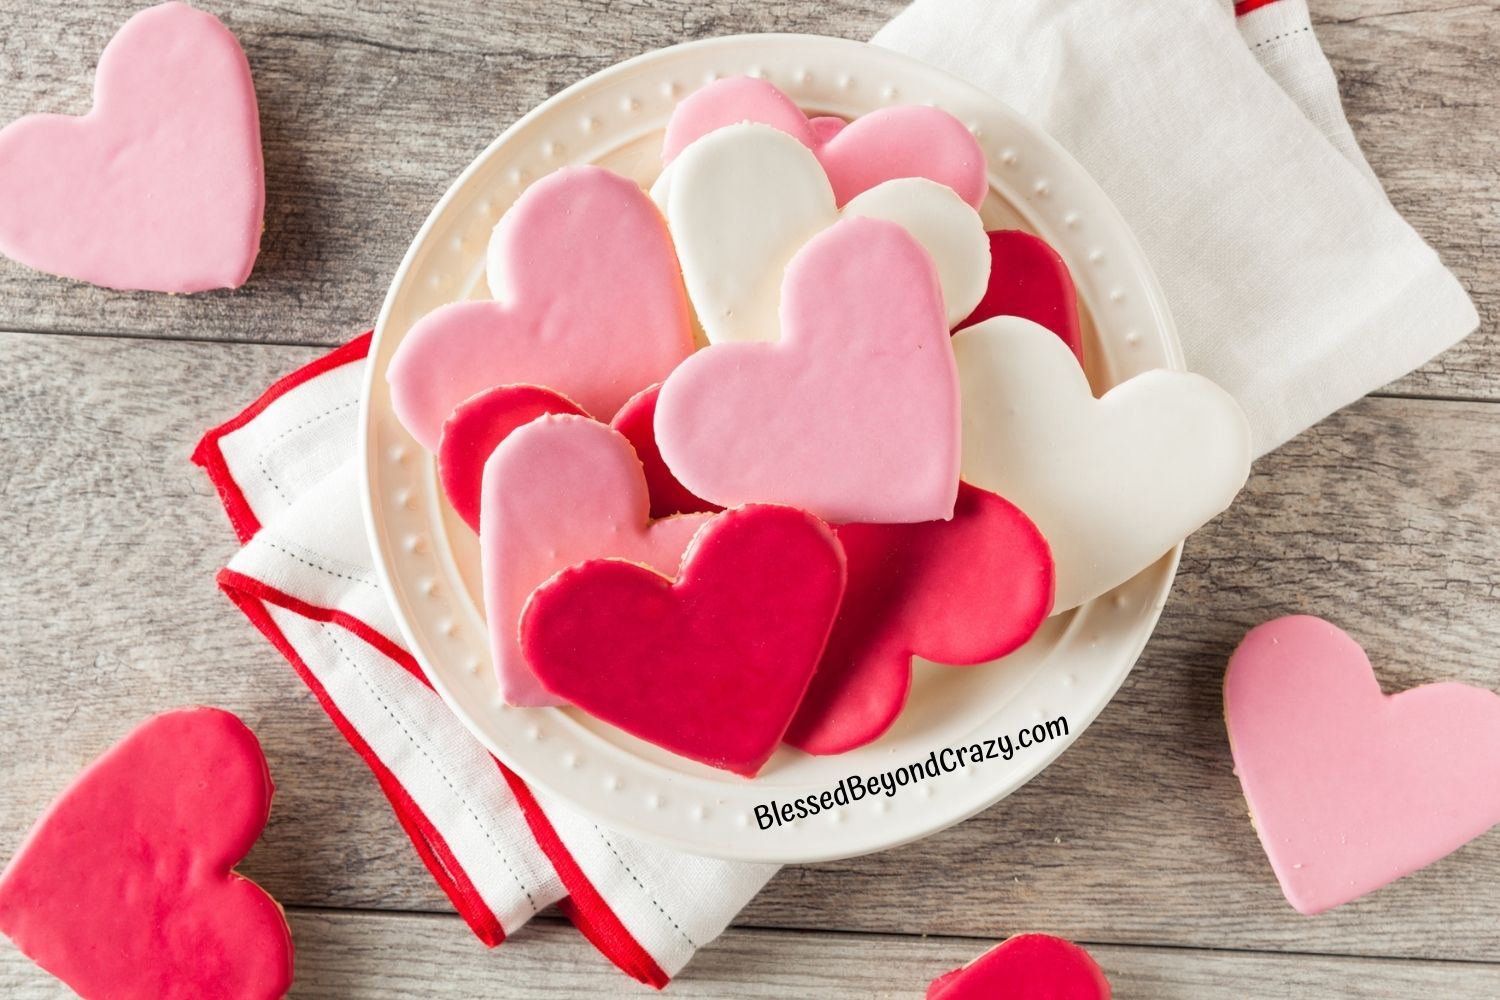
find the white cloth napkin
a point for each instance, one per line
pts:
(1295, 285)
(286, 472)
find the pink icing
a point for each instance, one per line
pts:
(558, 491)
(125, 888)
(1350, 789)
(160, 186)
(592, 306)
(852, 415)
(904, 141)
(710, 666)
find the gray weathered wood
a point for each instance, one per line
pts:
(368, 114)
(1384, 518)
(395, 956)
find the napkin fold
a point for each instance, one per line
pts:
(1294, 283)
(286, 472)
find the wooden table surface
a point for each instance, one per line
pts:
(1386, 518)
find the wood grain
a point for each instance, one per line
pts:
(369, 114)
(397, 956)
(1384, 517)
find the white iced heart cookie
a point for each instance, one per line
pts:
(744, 199)
(1113, 483)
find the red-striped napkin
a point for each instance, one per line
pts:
(286, 472)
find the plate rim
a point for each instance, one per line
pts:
(1037, 761)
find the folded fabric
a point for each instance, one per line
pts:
(286, 472)
(1294, 283)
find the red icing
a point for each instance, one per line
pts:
(1029, 279)
(959, 592)
(637, 421)
(1026, 967)
(125, 888)
(711, 666)
(477, 426)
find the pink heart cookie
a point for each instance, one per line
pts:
(588, 302)
(160, 186)
(475, 429)
(559, 491)
(964, 591)
(125, 887)
(1350, 789)
(852, 414)
(1026, 967)
(710, 665)
(906, 141)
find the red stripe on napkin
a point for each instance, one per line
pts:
(251, 596)
(208, 457)
(1244, 7)
(584, 906)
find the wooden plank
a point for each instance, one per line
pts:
(396, 956)
(369, 114)
(1384, 518)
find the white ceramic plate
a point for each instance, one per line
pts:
(428, 560)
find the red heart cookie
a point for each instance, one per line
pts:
(160, 186)
(476, 428)
(711, 666)
(964, 591)
(125, 887)
(637, 421)
(1026, 967)
(1029, 279)
(588, 302)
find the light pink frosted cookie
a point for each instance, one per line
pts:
(852, 414)
(1350, 789)
(125, 887)
(558, 491)
(160, 186)
(907, 141)
(588, 303)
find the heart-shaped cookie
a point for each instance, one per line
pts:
(160, 186)
(475, 429)
(852, 414)
(588, 302)
(1026, 967)
(744, 200)
(1029, 279)
(125, 887)
(959, 592)
(1350, 789)
(558, 491)
(1113, 483)
(637, 421)
(903, 141)
(710, 666)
